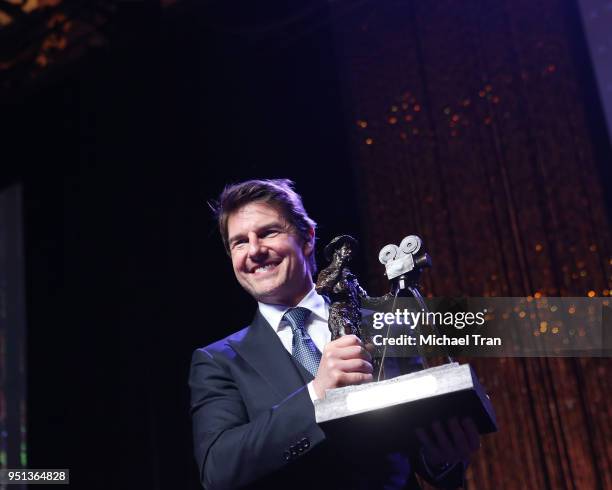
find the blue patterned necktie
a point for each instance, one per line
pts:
(302, 348)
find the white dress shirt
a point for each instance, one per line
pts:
(316, 324)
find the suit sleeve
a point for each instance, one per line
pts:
(232, 450)
(452, 477)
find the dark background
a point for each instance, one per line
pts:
(119, 153)
(126, 274)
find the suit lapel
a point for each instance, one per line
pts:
(264, 351)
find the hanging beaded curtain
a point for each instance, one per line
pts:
(469, 128)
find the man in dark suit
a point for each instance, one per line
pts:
(252, 393)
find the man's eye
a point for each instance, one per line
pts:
(270, 233)
(238, 243)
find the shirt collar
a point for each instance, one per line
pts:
(313, 301)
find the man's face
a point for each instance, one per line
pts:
(268, 257)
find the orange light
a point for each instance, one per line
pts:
(5, 19)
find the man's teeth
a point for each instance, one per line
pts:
(265, 268)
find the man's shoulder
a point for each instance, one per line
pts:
(225, 346)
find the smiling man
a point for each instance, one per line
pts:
(252, 393)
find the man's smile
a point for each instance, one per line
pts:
(262, 269)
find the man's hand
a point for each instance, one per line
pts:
(344, 362)
(451, 443)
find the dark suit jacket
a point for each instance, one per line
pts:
(254, 424)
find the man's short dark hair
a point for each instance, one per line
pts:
(277, 193)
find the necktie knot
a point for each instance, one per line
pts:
(297, 318)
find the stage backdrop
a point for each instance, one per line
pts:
(475, 125)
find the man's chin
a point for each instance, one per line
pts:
(269, 298)
(265, 295)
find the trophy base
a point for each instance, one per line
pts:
(393, 408)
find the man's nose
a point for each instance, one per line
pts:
(256, 247)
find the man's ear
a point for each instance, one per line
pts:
(309, 244)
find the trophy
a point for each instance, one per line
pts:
(388, 410)
(347, 297)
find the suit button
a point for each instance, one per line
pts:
(305, 443)
(286, 455)
(294, 453)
